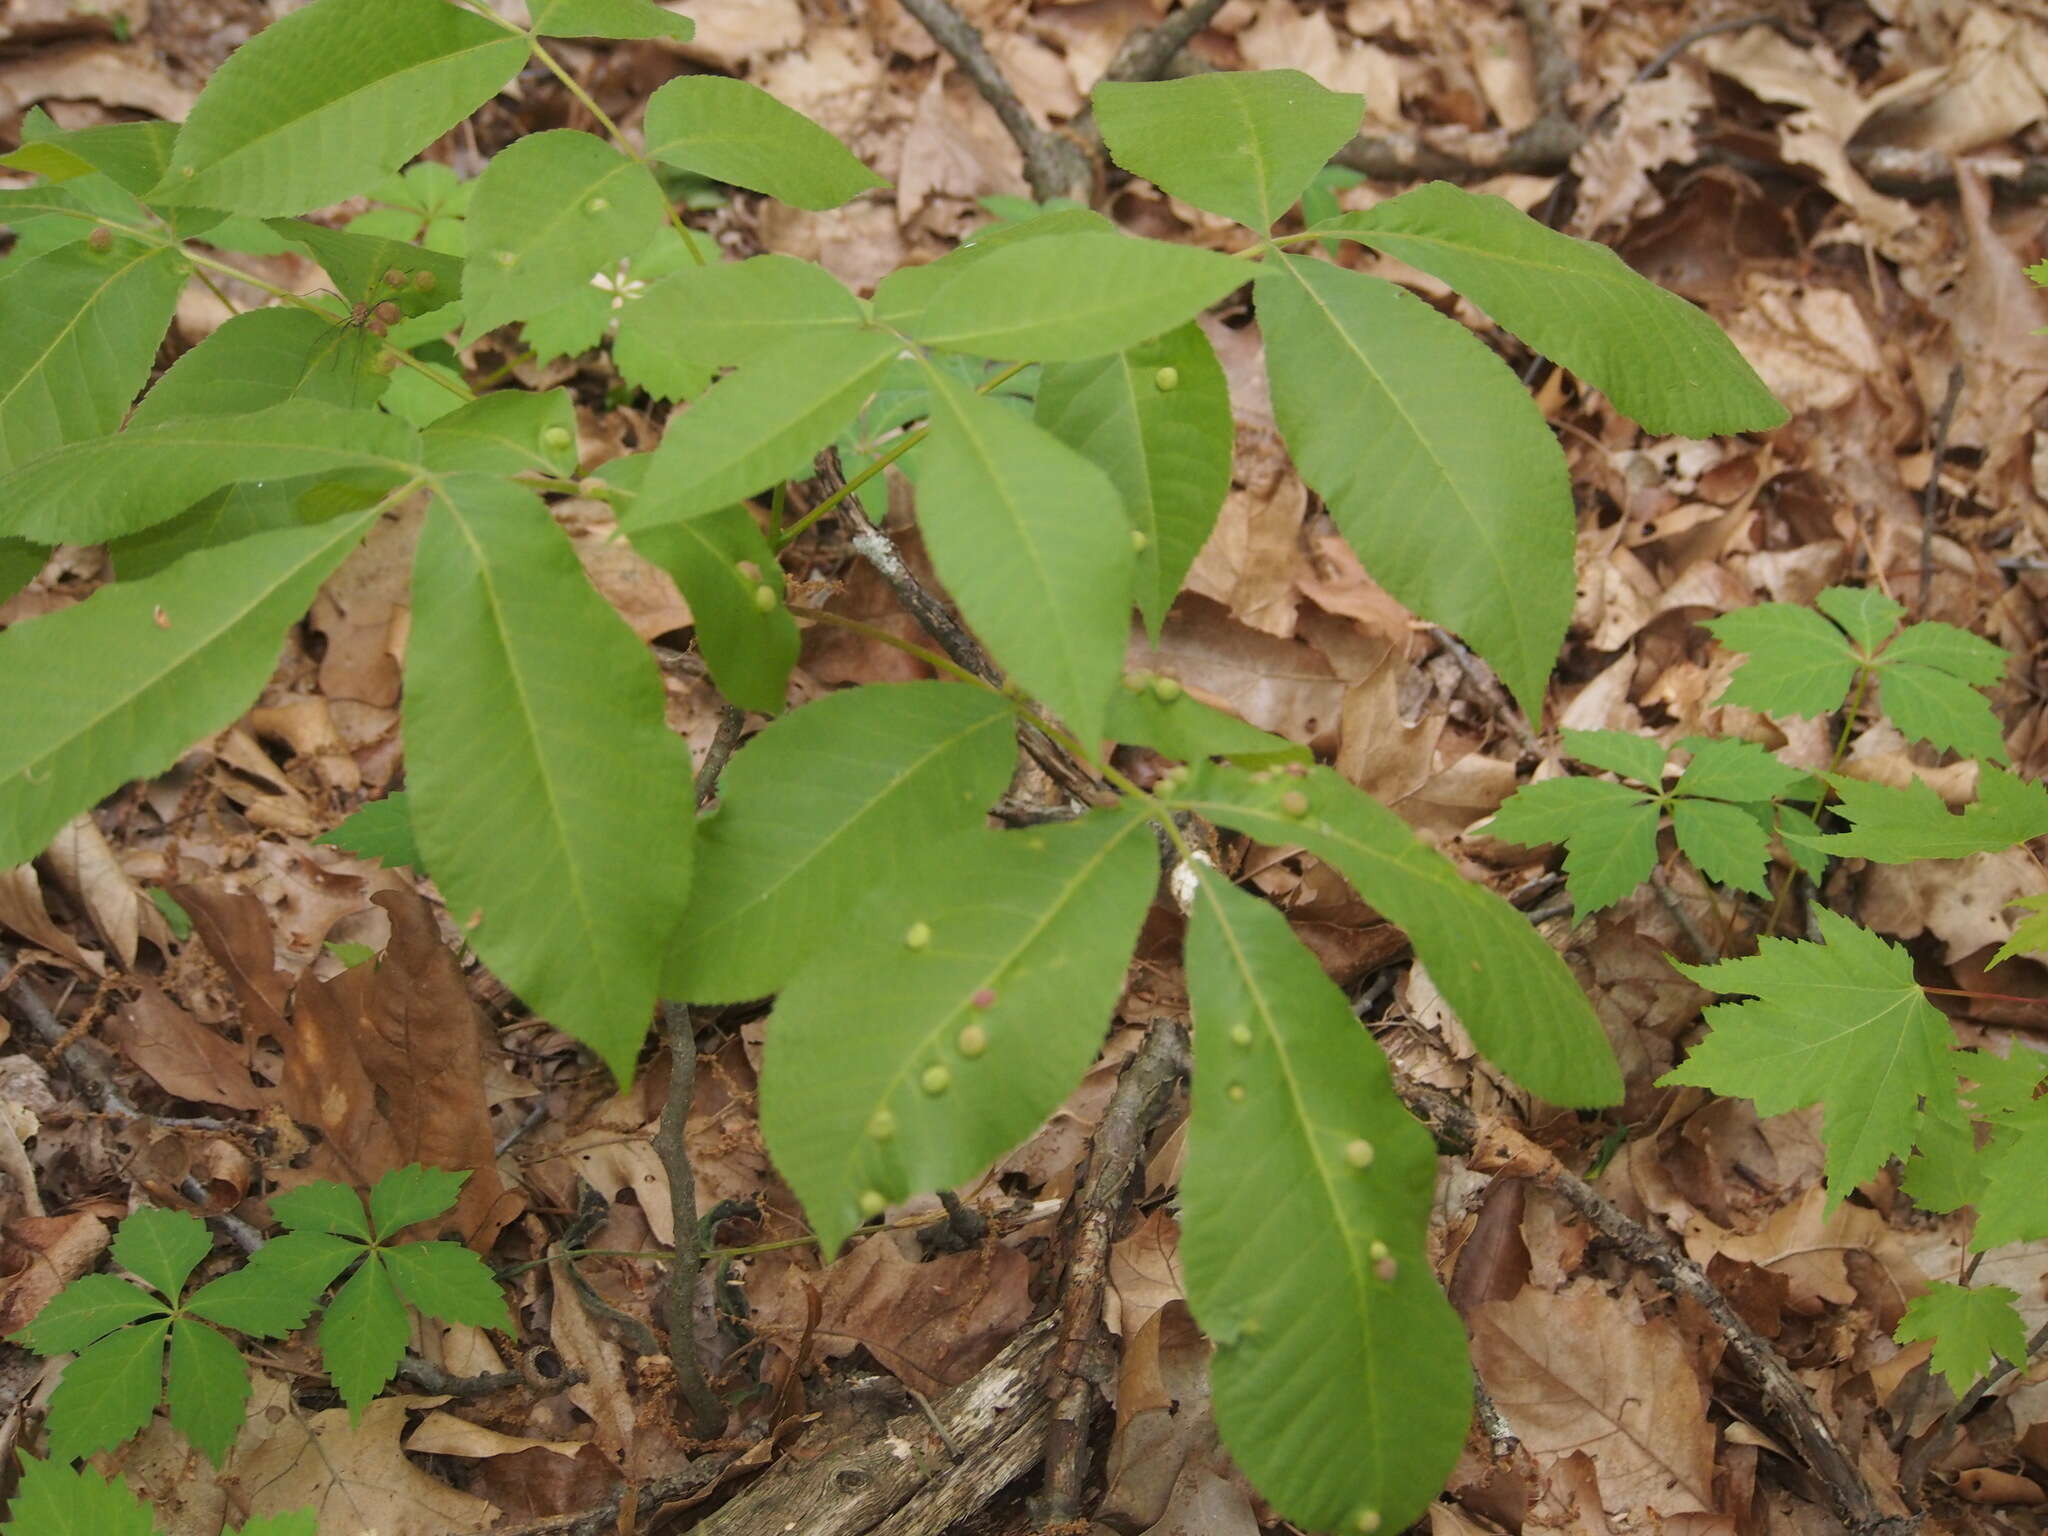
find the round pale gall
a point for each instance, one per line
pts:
(101, 238)
(765, 599)
(917, 936)
(881, 1125)
(555, 439)
(1166, 689)
(1235, 1093)
(1140, 540)
(423, 282)
(1137, 682)
(872, 1203)
(936, 1080)
(1366, 1522)
(1384, 1270)
(1167, 378)
(1241, 1034)
(1358, 1153)
(972, 1041)
(1294, 803)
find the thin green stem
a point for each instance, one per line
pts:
(1827, 790)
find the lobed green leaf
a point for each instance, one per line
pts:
(163, 1247)
(1900, 825)
(85, 1311)
(447, 1281)
(1971, 1326)
(1795, 661)
(412, 1194)
(108, 1392)
(363, 1335)
(275, 1292)
(53, 1499)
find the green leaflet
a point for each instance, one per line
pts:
(731, 131)
(380, 830)
(1661, 360)
(1030, 539)
(1897, 826)
(1842, 1024)
(1287, 1083)
(1970, 1327)
(56, 1500)
(902, 296)
(132, 155)
(609, 18)
(361, 264)
(1509, 988)
(1609, 832)
(504, 433)
(1437, 467)
(1156, 419)
(119, 485)
(116, 687)
(1155, 712)
(549, 797)
(940, 1020)
(729, 576)
(550, 210)
(841, 795)
(2030, 934)
(733, 311)
(207, 1386)
(82, 329)
(318, 105)
(20, 563)
(1245, 145)
(163, 1247)
(262, 358)
(1072, 296)
(762, 424)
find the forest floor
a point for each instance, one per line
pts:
(1850, 187)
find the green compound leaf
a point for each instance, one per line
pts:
(1156, 419)
(1722, 769)
(108, 1392)
(1797, 663)
(1898, 826)
(839, 796)
(82, 330)
(86, 1310)
(275, 1292)
(1957, 652)
(941, 1020)
(550, 210)
(116, 687)
(1243, 145)
(904, 294)
(381, 830)
(208, 1388)
(1841, 1024)
(132, 155)
(163, 1247)
(1662, 361)
(264, 358)
(322, 1206)
(2030, 935)
(1156, 713)
(550, 799)
(2015, 1171)
(1624, 752)
(447, 1281)
(56, 1500)
(762, 424)
(1609, 832)
(1934, 705)
(1970, 1326)
(363, 1335)
(1287, 1084)
(731, 312)
(504, 433)
(620, 19)
(297, 1522)
(20, 563)
(734, 132)
(412, 1194)
(1865, 613)
(360, 265)
(724, 565)
(317, 106)
(1509, 988)
(1066, 297)
(1031, 540)
(1726, 843)
(116, 485)
(1460, 459)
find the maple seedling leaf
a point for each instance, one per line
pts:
(1898, 826)
(2030, 935)
(119, 1331)
(1842, 1024)
(1802, 662)
(364, 1330)
(1970, 1326)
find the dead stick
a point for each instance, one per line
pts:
(1498, 1147)
(1141, 1092)
(679, 1296)
(1930, 498)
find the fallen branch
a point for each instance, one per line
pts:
(706, 1416)
(1141, 1093)
(1499, 1148)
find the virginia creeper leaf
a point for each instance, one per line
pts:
(1155, 418)
(163, 1247)
(610, 18)
(1725, 843)
(323, 1206)
(108, 1392)
(1795, 661)
(447, 1281)
(731, 131)
(1842, 1024)
(56, 1500)
(937, 1023)
(86, 1310)
(1723, 769)
(1659, 359)
(1031, 540)
(363, 1335)
(207, 1388)
(1867, 615)
(1436, 447)
(549, 210)
(793, 846)
(1970, 1326)
(1244, 145)
(1289, 1088)
(321, 103)
(117, 686)
(1624, 752)
(275, 1292)
(1510, 989)
(412, 1194)
(549, 797)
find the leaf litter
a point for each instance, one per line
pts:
(1835, 189)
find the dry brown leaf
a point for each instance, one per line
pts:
(22, 910)
(441, 1433)
(39, 1256)
(1582, 1371)
(1144, 1274)
(363, 609)
(87, 869)
(180, 1055)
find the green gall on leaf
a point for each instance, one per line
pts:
(1235, 1093)
(423, 282)
(393, 278)
(1294, 803)
(101, 238)
(1358, 1153)
(1366, 1522)
(872, 1203)
(1241, 1035)
(765, 598)
(1167, 378)
(972, 1041)
(597, 205)
(1377, 1251)
(1166, 689)
(557, 438)
(1140, 540)
(881, 1125)
(508, 259)
(935, 1080)
(917, 936)
(1137, 682)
